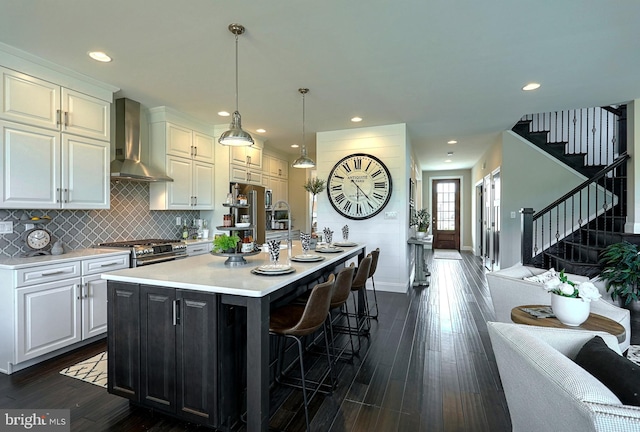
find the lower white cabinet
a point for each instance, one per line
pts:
(45, 308)
(199, 248)
(48, 318)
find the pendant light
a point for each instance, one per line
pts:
(303, 161)
(235, 136)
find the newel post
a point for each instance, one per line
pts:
(526, 233)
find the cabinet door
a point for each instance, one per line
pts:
(94, 306)
(203, 180)
(254, 157)
(203, 147)
(179, 191)
(158, 318)
(85, 173)
(48, 318)
(123, 343)
(179, 141)
(85, 115)
(30, 167)
(29, 100)
(197, 361)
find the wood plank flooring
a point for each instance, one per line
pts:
(427, 366)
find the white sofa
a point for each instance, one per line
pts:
(546, 390)
(508, 290)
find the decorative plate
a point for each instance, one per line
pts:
(345, 244)
(329, 250)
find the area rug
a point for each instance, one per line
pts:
(93, 370)
(446, 254)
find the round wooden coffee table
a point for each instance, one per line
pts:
(595, 322)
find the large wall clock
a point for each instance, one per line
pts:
(359, 186)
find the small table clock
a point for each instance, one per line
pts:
(38, 240)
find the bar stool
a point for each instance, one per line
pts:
(296, 321)
(362, 317)
(374, 265)
(341, 291)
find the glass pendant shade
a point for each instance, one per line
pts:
(235, 136)
(303, 161)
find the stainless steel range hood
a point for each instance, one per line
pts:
(127, 165)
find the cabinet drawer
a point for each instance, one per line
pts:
(101, 265)
(198, 249)
(48, 273)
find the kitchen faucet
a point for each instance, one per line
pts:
(289, 239)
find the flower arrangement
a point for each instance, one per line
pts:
(562, 286)
(314, 186)
(420, 220)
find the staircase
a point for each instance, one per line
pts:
(571, 232)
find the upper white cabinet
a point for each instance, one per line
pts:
(54, 145)
(44, 169)
(29, 100)
(245, 163)
(187, 143)
(275, 167)
(187, 156)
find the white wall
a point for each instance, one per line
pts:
(529, 178)
(390, 145)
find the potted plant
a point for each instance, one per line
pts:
(225, 243)
(621, 272)
(314, 186)
(571, 301)
(420, 220)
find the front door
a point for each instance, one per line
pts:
(446, 214)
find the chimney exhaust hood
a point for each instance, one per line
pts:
(127, 165)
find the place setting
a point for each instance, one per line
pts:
(328, 247)
(274, 268)
(345, 238)
(305, 241)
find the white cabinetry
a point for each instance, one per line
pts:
(187, 156)
(49, 307)
(53, 155)
(246, 164)
(29, 100)
(276, 177)
(199, 248)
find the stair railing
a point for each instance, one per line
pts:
(586, 215)
(596, 132)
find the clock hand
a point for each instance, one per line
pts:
(366, 196)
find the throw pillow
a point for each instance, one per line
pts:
(542, 277)
(619, 374)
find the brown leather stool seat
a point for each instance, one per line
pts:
(295, 321)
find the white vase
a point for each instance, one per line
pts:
(420, 234)
(570, 311)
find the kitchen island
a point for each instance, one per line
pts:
(172, 327)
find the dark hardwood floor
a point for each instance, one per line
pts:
(427, 366)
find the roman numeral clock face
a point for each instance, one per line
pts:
(359, 186)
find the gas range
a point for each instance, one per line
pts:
(151, 251)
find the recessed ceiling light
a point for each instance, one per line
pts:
(452, 142)
(261, 130)
(99, 56)
(356, 119)
(223, 114)
(448, 160)
(531, 86)
(294, 146)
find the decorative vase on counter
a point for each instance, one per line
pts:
(570, 311)
(57, 248)
(420, 234)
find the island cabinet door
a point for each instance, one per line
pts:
(123, 343)
(159, 317)
(196, 357)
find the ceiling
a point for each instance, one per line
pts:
(448, 69)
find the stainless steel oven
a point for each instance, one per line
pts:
(151, 251)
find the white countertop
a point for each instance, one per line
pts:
(208, 273)
(14, 263)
